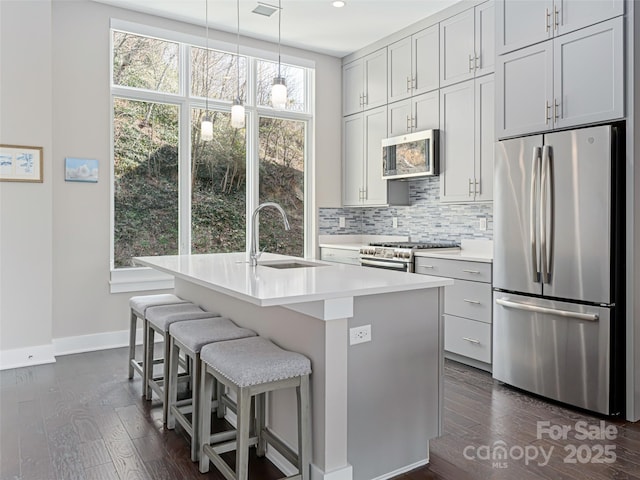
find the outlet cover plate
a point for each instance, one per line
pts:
(359, 334)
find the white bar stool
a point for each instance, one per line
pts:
(252, 367)
(189, 337)
(158, 320)
(138, 306)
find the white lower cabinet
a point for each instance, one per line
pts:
(340, 255)
(467, 308)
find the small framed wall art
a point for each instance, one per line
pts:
(20, 164)
(80, 170)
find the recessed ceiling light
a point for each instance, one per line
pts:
(338, 3)
(265, 9)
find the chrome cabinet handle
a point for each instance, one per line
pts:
(547, 112)
(476, 63)
(535, 266)
(409, 84)
(414, 122)
(556, 107)
(470, 188)
(475, 272)
(414, 82)
(547, 19)
(475, 302)
(471, 340)
(470, 63)
(556, 16)
(476, 189)
(365, 99)
(592, 317)
(408, 123)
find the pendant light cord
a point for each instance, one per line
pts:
(279, 34)
(206, 76)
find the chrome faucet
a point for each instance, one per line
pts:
(254, 252)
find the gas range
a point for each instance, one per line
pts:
(398, 255)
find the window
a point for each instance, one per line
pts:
(177, 194)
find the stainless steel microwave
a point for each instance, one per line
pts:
(411, 155)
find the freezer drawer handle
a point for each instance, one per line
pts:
(592, 317)
(471, 340)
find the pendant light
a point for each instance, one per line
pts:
(237, 109)
(279, 88)
(206, 127)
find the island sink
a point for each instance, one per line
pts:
(290, 264)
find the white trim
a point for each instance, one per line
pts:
(139, 279)
(26, 356)
(402, 470)
(344, 473)
(93, 342)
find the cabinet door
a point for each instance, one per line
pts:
(524, 83)
(522, 23)
(399, 77)
(457, 142)
(485, 137)
(426, 111)
(457, 48)
(375, 129)
(400, 117)
(570, 15)
(352, 87)
(588, 74)
(426, 60)
(375, 79)
(352, 160)
(485, 41)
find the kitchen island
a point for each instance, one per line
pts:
(375, 405)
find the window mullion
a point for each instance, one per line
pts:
(184, 149)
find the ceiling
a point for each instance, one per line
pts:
(309, 24)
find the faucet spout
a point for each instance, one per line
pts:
(254, 251)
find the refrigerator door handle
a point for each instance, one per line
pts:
(592, 317)
(546, 193)
(532, 213)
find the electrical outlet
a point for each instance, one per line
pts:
(359, 334)
(342, 222)
(395, 222)
(483, 224)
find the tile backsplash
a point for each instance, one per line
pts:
(424, 220)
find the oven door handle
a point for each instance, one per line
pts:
(365, 262)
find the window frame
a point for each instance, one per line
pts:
(143, 278)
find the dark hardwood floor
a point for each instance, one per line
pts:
(81, 418)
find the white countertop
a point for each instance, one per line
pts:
(470, 251)
(230, 273)
(354, 242)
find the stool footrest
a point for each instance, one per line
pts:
(219, 437)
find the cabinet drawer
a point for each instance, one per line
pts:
(468, 338)
(468, 299)
(463, 270)
(340, 255)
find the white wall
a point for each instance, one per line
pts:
(26, 208)
(55, 236)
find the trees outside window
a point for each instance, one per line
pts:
(175, 193)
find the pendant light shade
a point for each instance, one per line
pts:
(237, 114)
(206, 129)
(279, 93)
(279, 88)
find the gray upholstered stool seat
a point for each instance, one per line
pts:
(189, 337)
(138, 306)
(252, 367)
(158, 320)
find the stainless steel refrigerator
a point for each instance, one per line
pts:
(558, 312)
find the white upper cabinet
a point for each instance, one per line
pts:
(571, 80)
(413, 64)
(467, 141)
(467, 44)
(414, 114)
(525, 22)
(364, 83)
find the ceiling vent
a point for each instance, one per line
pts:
(265, 9)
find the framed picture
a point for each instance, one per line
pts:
(20, 164)
(80, 170)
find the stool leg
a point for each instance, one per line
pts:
(148, 362)
(195, 408)
(304, 427)
(171, 384)
(244, 421)
(165, 377)
(132, 342)
(220, 408)
(206, 390)
(260, 424)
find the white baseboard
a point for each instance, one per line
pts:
(41, 354)
(27, 356)
(402, 470)
(345, 473)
